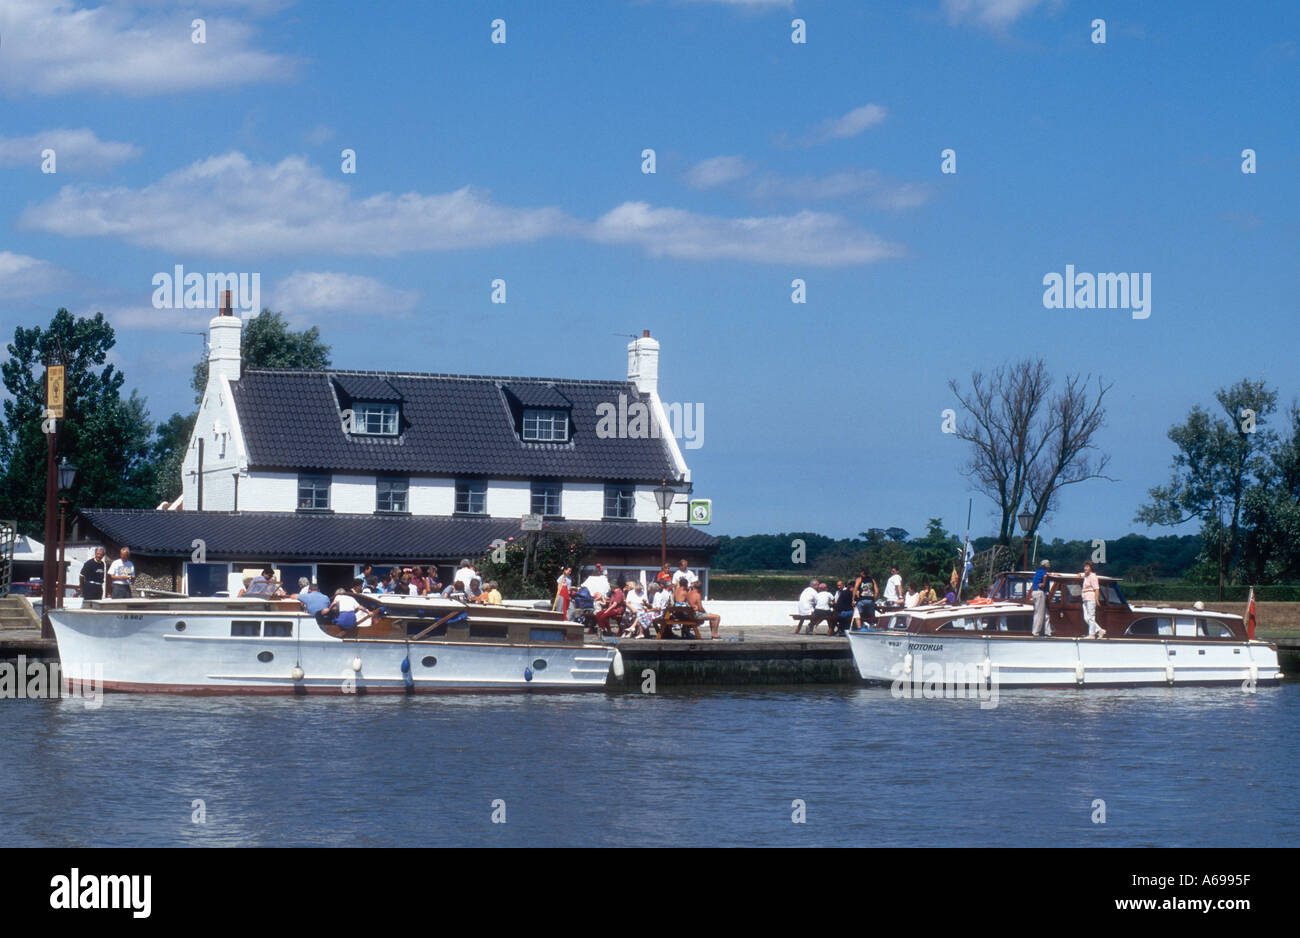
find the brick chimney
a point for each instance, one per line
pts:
(224, 332)
(643, 363)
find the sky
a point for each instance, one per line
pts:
(821, 161)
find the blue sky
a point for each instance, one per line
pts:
(775, 161)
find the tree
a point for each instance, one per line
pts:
(1026, 443)
(106, 437)
(1218, 460)
(167, 452)
(1270, 521)
(530, 563)
(268, 342)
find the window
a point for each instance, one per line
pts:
(1152, 625)
(390, 494)
(546, 499)
(245, 628)
(1212, 629)
(619, 501)
(471, 497)
(546, 426)
(374, 419)
(313, 492)
(278, 629)
(205, 579)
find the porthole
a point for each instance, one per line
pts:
(428, 661)
(539, 664)
(180, 626)
(264, 656)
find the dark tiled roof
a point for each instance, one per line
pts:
(357, 387)
(287, 535)
(537, 395)
(451, 425)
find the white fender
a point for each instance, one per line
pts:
(988, 667)
(1169, 672)
(1078, 672)
(356, 664)
(297, 673)
(618, 664)
(907, 664)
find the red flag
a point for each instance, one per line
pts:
(1250, 616)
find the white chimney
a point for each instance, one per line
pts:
(223, 342)
(643, 363)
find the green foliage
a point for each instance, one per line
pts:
(167, 451)
(268, 342)
(532, 562)
(105, 436)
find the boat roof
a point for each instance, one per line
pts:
(1062, 576)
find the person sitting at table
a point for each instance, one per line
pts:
(696, 600)
(614, 609)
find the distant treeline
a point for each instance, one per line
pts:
(1135, 557)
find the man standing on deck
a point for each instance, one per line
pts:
(894, 588)
(807, 599)
(121, 575)
(93, 572)
(1038, 590)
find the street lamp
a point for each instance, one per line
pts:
(1026, 518)
(664, 495)
(67, 475)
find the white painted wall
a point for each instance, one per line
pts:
(222, 451)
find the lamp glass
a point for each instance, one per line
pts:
(67, 474)
(664, 497)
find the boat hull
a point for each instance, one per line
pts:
(1015, 661)
(146, 652)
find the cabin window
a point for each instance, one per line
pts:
(546, 499)
(1073, 592)
(313, 492)
(206, 579)
(545, 426)
(1112, 594)
(620, 501)
(898, 622)
(1184, 625)
(471, 497)
(1152, 625)
(278, 630)
(245, 628)
(391, 494)
(546, 635)
(484, 630)
(374, 419)
(958, 625)
(1209, 628)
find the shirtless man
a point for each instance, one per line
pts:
(696, 599)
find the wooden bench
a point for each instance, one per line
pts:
(687, 623)
(800, 619)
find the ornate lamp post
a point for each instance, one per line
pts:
(67, 475)
(1026, 518)
(664, 495)
(54, 386)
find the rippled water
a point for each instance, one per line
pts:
(1174, 767)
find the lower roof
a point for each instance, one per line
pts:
(288, 535)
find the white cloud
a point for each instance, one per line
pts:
(812, 238)
(230, 206)
(21, 275)
(56, 46)
(78, 150)
(717, 171)
(990, 13)
(305, 295)
(851, 124)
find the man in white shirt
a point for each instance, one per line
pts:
(121, 575)
(823, 608)
(465, 574)
(597, 584)
(684, 572)
(807, 599)
(894, 587)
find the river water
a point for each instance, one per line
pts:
(849, 766)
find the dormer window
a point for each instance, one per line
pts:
(545, 425)
(374, 418)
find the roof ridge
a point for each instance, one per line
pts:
(325, 372)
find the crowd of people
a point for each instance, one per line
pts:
(862, 600)
(631, 610)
